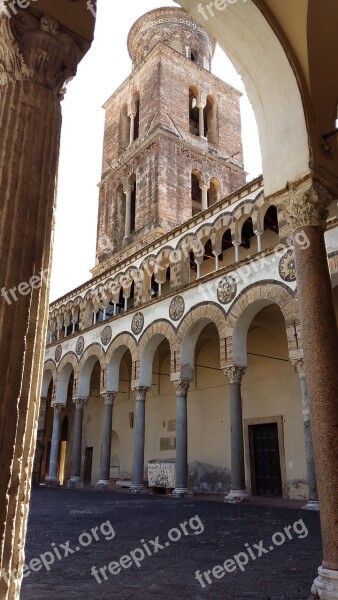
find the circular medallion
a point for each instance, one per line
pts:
(79, 346)
(176, 308)
(287, 267)
(106, 335)
(227, 289)
(137, 323)
(58, 353)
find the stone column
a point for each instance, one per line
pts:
(201, 119)
(204, 187)
(312, 503)
(52, 479)
(132, 127)
(236, 246)
(75, 472)
(258, 235)
(127, 225)
(138, 486)
(39, 442)
(307, 208)
(109, 398)
(181, 487)
(37, 57)
(238, 490)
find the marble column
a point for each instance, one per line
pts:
(127, 225)
(132, 127)
(181, 487)
(138, 486)
(312, 503)
(75, 471)
(306, 206)
(109, 398)
(52, 479)
(37, 57)
(238, 491)
(204, 187)
(201, 120)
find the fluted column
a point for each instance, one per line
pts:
(306, 205)
(37, 57)
(139, 441)
(52, 479)
(75, 469)
(181, 487)
(238, 492)
(312, 503)
(109, 398)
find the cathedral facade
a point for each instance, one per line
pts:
(179, 365)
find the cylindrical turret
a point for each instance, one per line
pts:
(175, 28)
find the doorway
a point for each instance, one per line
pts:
(265, 460)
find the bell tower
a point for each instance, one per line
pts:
(172, 142)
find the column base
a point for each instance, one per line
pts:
(325, 586)
(103, 484)
(311, 505)
(181, 492)
(51, 482)
(75, 483)
(138, 488)
(236, 496)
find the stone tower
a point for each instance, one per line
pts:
(172, 142)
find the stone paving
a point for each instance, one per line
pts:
(217, 533)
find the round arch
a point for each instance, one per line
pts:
(91, 356)
(115, 353)
(191, 328)
(148, 344)
(67, 366)
(248, 305)
(258, 55)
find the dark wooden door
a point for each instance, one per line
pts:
(267, 479)
(88, 462)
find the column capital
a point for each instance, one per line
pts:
(57, 407)
(234, 373)
(298, 363)
(204, 186)
(181, 387)
(109, 397)
(307, 204)
(37, 49)
(141, 392)
(79, 402)
(127, 188)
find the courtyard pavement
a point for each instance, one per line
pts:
(155, 544)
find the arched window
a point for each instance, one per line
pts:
(194, 55)
(124, 128)
(210, 120)
(196, 195)
(193, 111)
(213, 192)
(271, 220)
(247, 233)
(136, 118)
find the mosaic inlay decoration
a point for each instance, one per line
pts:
(79, 345)
(227, 289)
(58, 353)
(177, 308)
(137, 323)
(287, 267)
(106, 335)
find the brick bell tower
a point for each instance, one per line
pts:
(172, 142)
